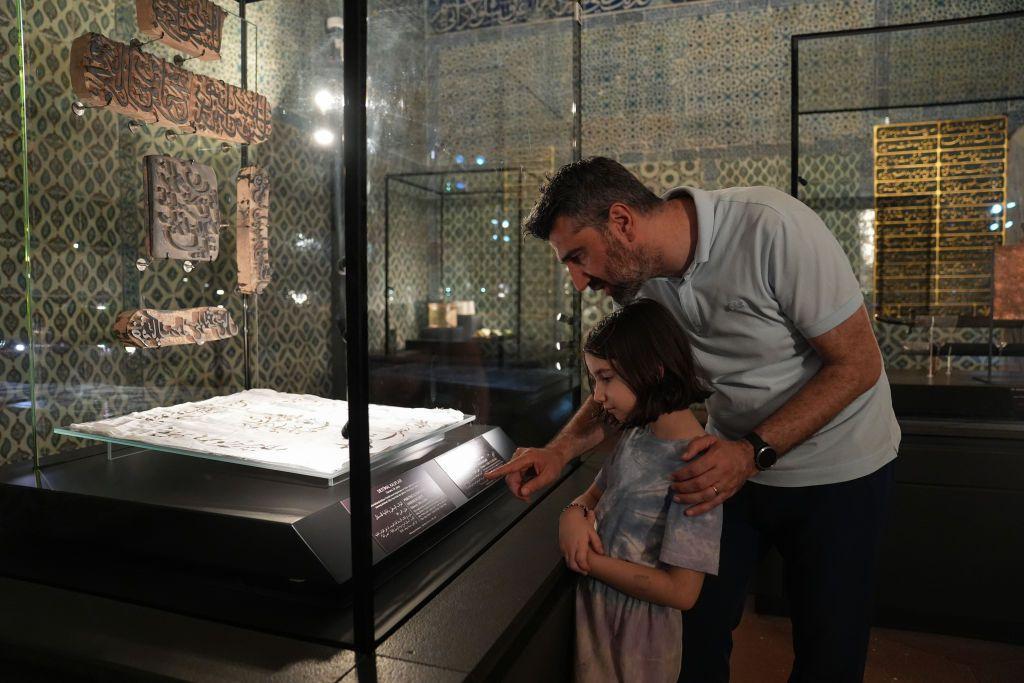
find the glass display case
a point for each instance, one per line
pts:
(910, 153)
(220, 364)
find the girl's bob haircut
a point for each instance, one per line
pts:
(652, 355)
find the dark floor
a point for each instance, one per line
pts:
(763, 654)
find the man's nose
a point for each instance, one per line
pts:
(580, 280)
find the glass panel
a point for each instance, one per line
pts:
(462, 133)
(16, 437)
(907, 152)
(89, 253)
(301, 76)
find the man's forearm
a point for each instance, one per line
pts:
(823, 397)
(585, 431)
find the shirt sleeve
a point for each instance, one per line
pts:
(692, 542)
(810, 274)
(601, 480)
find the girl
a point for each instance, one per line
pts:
(646, 559)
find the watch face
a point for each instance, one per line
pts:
(765, 458)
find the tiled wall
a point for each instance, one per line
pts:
(697, 92)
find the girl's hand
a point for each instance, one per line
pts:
(577, 538)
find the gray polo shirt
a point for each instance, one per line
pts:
(766, 276)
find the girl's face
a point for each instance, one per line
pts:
(609, 390)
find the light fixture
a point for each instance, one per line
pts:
(1009, 224)
(323, 137)
(480, 161)
(459, 159)
(997, 208)
(1011, 205)
(75, 245)
(505, 223)
(993, 227)
(19, 347)
(220, 292)
(325, 100)
(558, 365)
(101, 307)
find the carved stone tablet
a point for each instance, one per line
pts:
(184, 215)
(190, 26)
(149, 328)
(1008, 299)
(253, 238)
(129, 81)
(227, 112)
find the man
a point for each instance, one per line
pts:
(802, 431)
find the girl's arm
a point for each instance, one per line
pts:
(670, 586)
(577, 537)
(590, 497)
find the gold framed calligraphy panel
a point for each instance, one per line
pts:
(939, 191)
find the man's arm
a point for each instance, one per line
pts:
(851, 365)
(584, 431)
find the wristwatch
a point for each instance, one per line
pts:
(764, 455)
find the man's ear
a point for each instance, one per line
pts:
(622, 222)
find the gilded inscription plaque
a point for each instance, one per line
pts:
(940, 187)
(184, 214)
(149, 328)
(253, 239)
(190, 26)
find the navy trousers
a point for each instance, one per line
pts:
(828, 537)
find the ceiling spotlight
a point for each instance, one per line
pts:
(323, 137)
(325, 100)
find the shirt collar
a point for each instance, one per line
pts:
(705, 222)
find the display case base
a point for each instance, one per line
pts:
(236, 545)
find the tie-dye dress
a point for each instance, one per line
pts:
(620, 638)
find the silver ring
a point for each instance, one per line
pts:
(715, 489)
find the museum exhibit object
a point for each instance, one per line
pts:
(239, 389)
(191, 26)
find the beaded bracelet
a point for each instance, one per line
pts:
(581, 506)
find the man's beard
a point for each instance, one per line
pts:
(629, 270)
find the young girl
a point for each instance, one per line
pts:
(646, 559)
